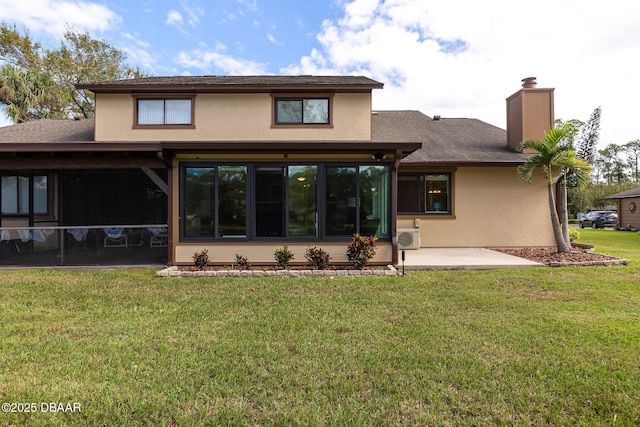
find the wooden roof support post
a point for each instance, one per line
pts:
(156, 179)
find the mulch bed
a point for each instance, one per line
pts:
(578, 256)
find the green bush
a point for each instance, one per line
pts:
(201, 259)
(574, 234)
(283, 256)
(317, 257)
(242, 262)
(361, 249)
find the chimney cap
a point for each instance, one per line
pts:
(436, 117)
(529, 82)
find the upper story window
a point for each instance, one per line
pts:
(164, 112)
(302, 111)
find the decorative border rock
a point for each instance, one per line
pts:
(175, 271)
(620, 261)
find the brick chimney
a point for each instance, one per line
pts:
(529, 113)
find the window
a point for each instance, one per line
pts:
(302, 111)
(301, 201)
(357, 200)
(428, 193)
(15, 195)
(214, 202)
(164, 111)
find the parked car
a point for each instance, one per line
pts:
(599, 219)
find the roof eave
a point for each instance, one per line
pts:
(227, 88)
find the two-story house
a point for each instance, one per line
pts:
(247, 165)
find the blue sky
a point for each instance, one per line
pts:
(451, 58)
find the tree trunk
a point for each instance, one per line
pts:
(564, 211)
(555, 222)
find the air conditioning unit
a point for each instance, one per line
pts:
(409, 238)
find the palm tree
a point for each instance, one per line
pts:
(26, 94)
(556, 160)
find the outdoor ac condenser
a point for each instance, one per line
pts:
(409, 238)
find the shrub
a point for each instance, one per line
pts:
(361, 249)
(242, 262)
(201, 259)
(283, 256)
(317, 257)
(574, 234)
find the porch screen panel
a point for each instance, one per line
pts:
(341, 201)
(199, 202)
(270, 201)
(40, 195)
(303, 207)
(10, 194)
(232, 201)
(374, 200)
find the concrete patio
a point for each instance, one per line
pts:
(461, 259)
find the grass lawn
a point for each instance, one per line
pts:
(532, 346)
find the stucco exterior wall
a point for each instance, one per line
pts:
(262, 253)
(493, 208)
(235, 117)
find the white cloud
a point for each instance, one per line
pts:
(174, 18)
(463, 58)
(210, 62)
(53, 16)
(273, 40)
(193, 12)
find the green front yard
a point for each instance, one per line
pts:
(531, 346)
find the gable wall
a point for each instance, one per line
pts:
(493, 208)
(240, 117)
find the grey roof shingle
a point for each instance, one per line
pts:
(48, 130)
(634, 192)
(234, 83)
(445, 141)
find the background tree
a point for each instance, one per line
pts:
(555, 157)
(613, 165)
(79, 59)
(633, 149)
(589, 137)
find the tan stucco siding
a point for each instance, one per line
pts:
(262, 253)
(235, 117)
(493, 208)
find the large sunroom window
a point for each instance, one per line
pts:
(214, 202)
(271, 201)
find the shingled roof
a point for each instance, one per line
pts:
(251, 84)
(634, 192)
(48, 130)
(445, 141)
